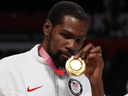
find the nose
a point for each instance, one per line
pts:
(71, 45)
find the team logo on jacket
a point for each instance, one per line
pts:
(75, 87)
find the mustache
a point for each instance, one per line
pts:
(68, 53)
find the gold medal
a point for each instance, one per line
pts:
(75, 67)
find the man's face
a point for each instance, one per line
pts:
(66, 39)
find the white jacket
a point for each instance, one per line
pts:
(27, 74)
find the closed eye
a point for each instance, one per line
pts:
(65, 35)
(80, 40)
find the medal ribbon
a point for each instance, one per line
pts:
(49, 61)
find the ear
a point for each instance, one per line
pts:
(47, 27)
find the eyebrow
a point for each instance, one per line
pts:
(65, 30)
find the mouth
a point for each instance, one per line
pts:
(66, 55)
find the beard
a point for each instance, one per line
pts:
(56, 60)
(55, 57)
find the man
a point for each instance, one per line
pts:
(41, 71)
(126, 88)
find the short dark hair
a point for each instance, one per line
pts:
(63, 8)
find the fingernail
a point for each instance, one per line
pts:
(76, 56)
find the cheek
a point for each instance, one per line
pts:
(59, 41)
(59, 44)
(56, 44)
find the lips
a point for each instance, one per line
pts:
(66, 55)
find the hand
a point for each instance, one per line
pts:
(94, 63)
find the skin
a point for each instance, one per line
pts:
(68, 38)
(127, 86)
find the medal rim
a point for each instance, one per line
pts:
(73, 72)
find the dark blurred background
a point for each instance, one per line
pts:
(21, 28)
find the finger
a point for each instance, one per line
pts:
(97, 57)
(90, 66)
(84, 51)
(96, 50)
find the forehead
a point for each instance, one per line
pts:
(73, 24)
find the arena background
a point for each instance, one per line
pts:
(21, 28)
